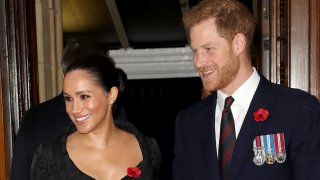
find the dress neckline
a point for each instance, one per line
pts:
(124, 126)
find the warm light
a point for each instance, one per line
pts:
(85, 15)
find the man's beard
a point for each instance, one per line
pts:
(223, 75)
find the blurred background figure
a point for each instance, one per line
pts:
(44, 122)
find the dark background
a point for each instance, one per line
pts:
(152, 106)
(146, 23)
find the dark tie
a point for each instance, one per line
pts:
(227, 138)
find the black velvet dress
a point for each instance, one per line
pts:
(52, 162)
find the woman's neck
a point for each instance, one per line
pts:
(102, 137)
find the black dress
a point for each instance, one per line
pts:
(52, 161)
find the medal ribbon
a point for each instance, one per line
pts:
(258, 141)
(269, 143)
(277, 142)
(263, 145)
(282, 143)
(266, 144)
(256, 144)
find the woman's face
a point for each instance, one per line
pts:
(87, 103)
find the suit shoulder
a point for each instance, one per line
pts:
(197, 108)
(49, 105)
(294, 95)
(43, 113)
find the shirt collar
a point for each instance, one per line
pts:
(244, 94)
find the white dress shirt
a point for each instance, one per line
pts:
(242, 99)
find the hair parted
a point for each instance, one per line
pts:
(100, 67)
(231, 17)
(76, 48)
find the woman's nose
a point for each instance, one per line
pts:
(76, 107)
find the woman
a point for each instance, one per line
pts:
(97, 147)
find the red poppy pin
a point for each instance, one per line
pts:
(133, 172)
(261, 114)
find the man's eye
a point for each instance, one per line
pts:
(195, 51)
(209, 49)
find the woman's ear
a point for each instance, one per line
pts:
(239, 43)
(113, 94)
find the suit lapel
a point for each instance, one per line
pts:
(250, 128)
(208, 138)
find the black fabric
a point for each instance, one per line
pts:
(51, 161)
(40, 124)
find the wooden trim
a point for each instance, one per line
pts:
(304, 45)
(314, 48)
(15, 73)
(299, 44)
(4, 166)
(3, 160)
(275, 45)
(49, 44)
(33, 54)
(258, 58)
(286, 44)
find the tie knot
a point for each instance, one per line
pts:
(228, 101)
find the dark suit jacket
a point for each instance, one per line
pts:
(40, 124)
(292, 112)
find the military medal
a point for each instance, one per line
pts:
(280, 147)
(269, 148)
(270, 159)
(259, 152)
(280, 158)
(259, 158)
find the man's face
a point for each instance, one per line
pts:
(213, 56)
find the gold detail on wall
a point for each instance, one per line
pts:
(85, 15)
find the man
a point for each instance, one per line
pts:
(44, 122)
(248, 128)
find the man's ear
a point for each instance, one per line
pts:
(113, 94)
(239, 43)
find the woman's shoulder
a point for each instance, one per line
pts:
(142, 139)
(58, 144)
(47, 150)
(153, 144)
(149, 146)
(154, 151)
(51, 160)
(44, 162)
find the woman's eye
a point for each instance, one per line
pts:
(84, 97)
(66, 98)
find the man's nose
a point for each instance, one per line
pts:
(200, 59)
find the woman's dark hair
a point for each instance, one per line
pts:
(100, 67)
(76, 48)
(122, 79)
